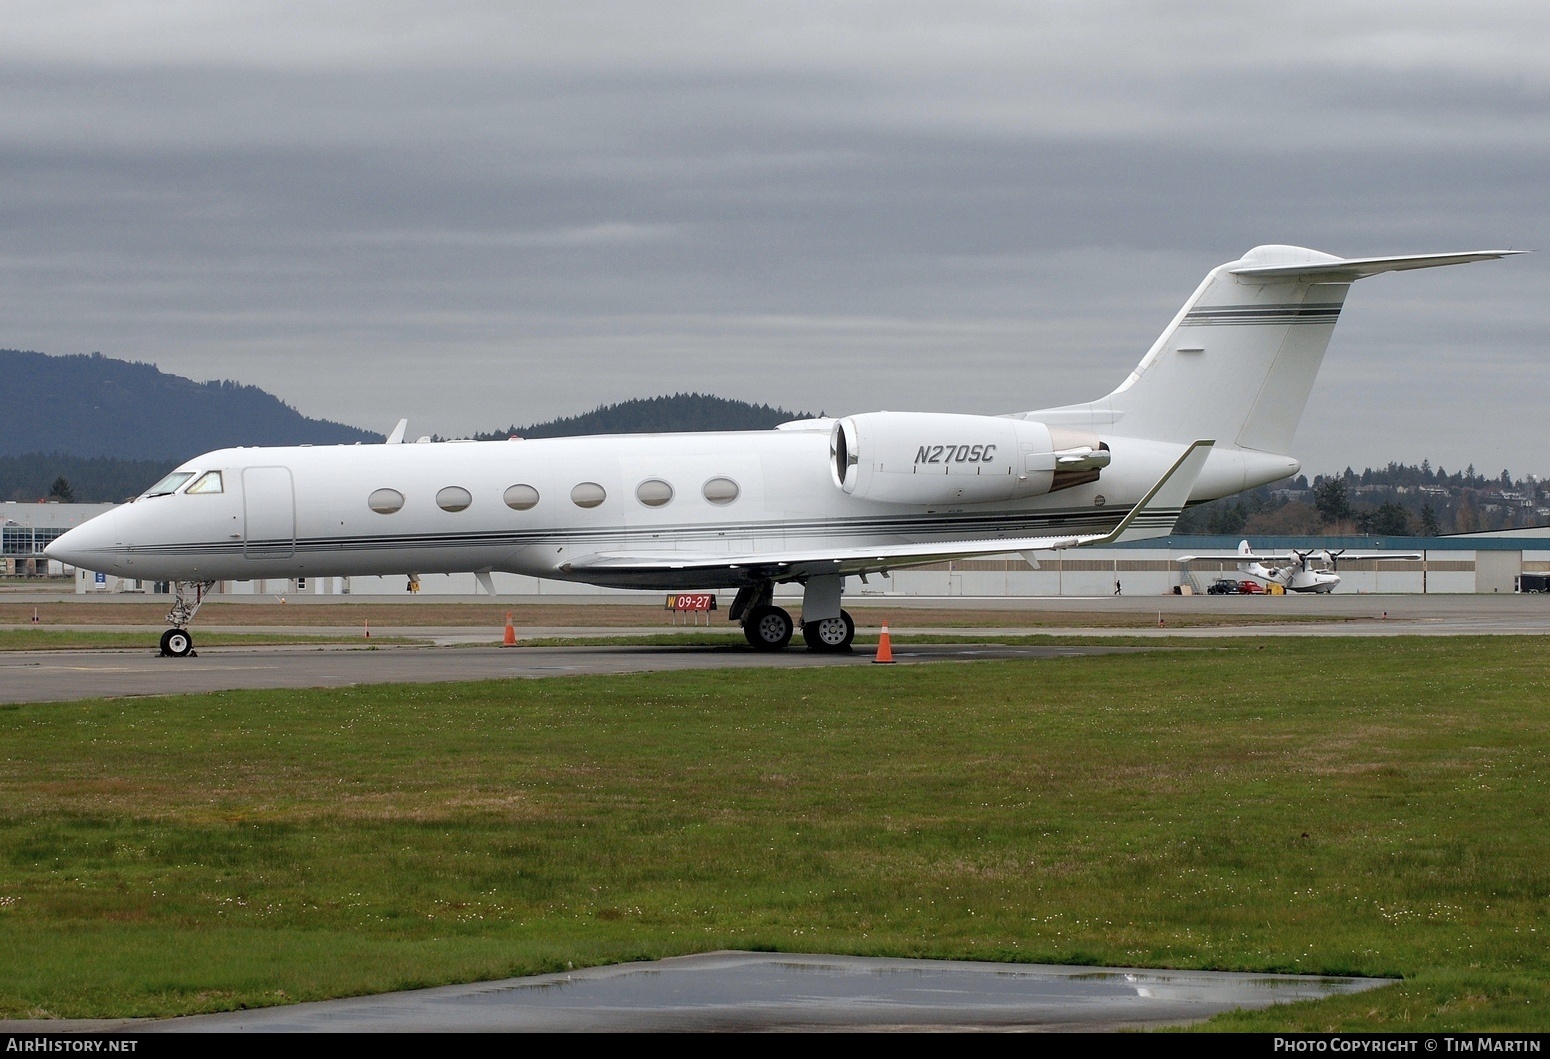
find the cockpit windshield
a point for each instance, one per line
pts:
(209, 482)
(168, 484)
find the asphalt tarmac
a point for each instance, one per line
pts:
(755, 991)
(54, 676)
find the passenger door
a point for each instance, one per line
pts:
(269, 513)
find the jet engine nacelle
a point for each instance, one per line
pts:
(931, 458)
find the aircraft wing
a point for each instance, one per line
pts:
(1236, 557)
(799, 563)
(1154, 516)
(1345, 557)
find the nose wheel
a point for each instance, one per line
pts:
(176, 643)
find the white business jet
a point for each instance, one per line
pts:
(1294, 571)
(1208, 412)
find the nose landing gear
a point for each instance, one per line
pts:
(188, 597)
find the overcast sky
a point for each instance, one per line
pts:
(474, 214)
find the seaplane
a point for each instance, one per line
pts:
(1294, 571)
(1209, 411)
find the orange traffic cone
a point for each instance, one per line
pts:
(884, 646)
(511, 633)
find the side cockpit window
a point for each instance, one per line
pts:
(169, 484)
(209, 482)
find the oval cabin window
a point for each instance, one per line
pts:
(720, 490)
(588, 494)
(385, 501)
(521, 498)
(654, 492)
(454, 498)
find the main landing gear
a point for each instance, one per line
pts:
(188, 597)
(831, 634)
(770, 628)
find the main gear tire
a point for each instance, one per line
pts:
(768, 628)
(830, 634)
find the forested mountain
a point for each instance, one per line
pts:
(98, 406)
(658, 415)
(93, 428)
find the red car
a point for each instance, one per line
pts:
(1250, 588)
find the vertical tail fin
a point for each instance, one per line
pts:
(1238, 361)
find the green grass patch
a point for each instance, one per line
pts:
(1345, 806)
(47, 639)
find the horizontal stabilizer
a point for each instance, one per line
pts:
(1338, 269)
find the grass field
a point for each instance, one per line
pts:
(1369, 807)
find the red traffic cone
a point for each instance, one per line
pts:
(884, 646)
(511, 633)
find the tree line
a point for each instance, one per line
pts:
(77, 479)
(1400, 500)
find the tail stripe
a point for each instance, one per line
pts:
(1209, 315)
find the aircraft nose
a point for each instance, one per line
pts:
(87, 547)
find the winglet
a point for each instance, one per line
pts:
(1160, 508)
(397, 437)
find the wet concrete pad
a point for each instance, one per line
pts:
(777, 991)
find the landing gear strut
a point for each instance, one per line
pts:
(188, 597)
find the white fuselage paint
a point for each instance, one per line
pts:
(786, 500)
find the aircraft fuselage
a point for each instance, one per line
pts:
(536, 507)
